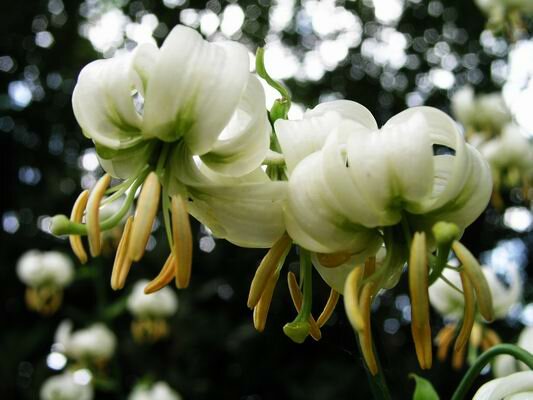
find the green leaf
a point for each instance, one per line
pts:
(424, 389)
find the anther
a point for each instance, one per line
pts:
(122, 264)
(76, 216)
(182, 239)
(261, 309)
(297, 299)
(93, 214)
(164, 277)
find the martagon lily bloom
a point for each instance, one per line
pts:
(188, 123)
(352, 187)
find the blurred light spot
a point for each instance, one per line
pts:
(406, 314)
(209, 22)
(507, 254)
(143, 32)
(225, 291)
(232, 20)
(441, 78)
(44, 39)
(20, 93)
(281, 14)
(82, 376)
(44, 222)
(87, 181)
(519, 219)
(414, 99)
(56, 361)
(29, 175)
(106, 33)
(401, 302)
(527, 315)
(173, 3)
(190, 17)
(391, 325)
(55, 7)
(6, 124)
(89, 160)
(207, 244)
(151, 243)
(332, 52)
(280, 61)
(6, 63)
(388, 11)
(10, 222)
(54, 80)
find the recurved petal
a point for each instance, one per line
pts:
(103, 102)
(124, 163)
(244, 142)
(300, 138)
(496, 389)
(194, 89)
(312, 216)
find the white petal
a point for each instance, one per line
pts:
(248, 215)
(244, 143)
(311, 220)
(195, 89)
(498, 389)
(300, 138)
(103, 103)
(124, 163)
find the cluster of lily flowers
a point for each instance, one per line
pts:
(187, 124)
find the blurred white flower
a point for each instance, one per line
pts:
(95, 343)
(449, 302)
(518, 386)
(65, 387)
(158, 391)
(506, 365)
(160, 304)
(37, 268)
(487, 113)
(511, 150)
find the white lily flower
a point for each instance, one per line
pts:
(486, 113)
(506, 365)
(416, 167)
(96, 342)
(65, 387)
(189, 90)
(158, 391)
(518, 386)
(37, 269)
(449, 303)
(511, 150)
(161, 304)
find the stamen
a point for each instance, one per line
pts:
(351, 298)
(262, 307)
(332, 260)
(458, 358)
(328, 308)
(297, 299)
(477, 278)
(444, 340)
(165, 276)
(469, 313)
(182, 238)
(492, 337)
(122, 264)
(147, 206)
(365, 336)
(93, 214)
(76, 216)
(275, 256)
(418, 287)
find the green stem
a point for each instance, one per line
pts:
(298, 329)
(377, 383)
(510, 349)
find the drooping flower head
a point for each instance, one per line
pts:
(65, 387)
(188, 122)
(46, 274)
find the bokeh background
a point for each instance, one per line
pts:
(385, 54)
